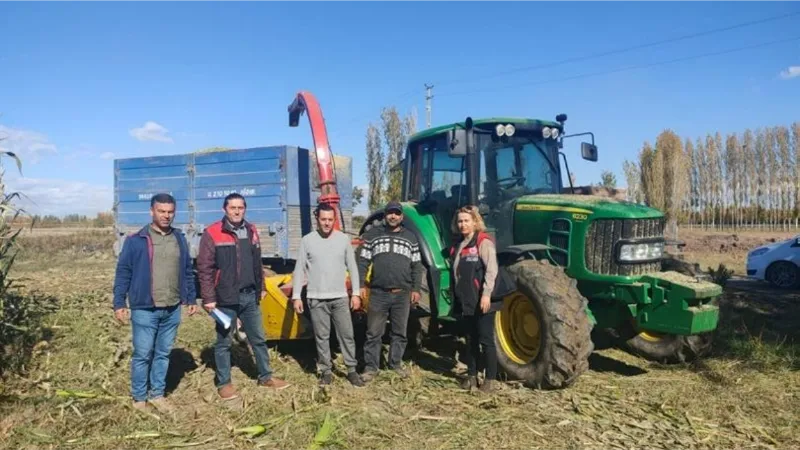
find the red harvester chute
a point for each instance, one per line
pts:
(306, 102)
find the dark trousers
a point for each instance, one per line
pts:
(396, 306)
(480, 336)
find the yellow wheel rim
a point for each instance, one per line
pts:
(518, 330)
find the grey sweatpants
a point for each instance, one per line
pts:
(323, 312)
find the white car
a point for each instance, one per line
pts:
(778, 263)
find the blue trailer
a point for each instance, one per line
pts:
(280, 184)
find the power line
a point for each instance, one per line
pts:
(342, 127)
(624, 69)
(622, 50)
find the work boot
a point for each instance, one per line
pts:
(227, 392)
(141, 406)
(488, 386)
(162, 405)
(355, 379)
(325, 379)
(368, 375)
(402, 373)
(274, 383)
(469, 383)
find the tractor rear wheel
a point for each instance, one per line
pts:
(669, 348)
(542, 332)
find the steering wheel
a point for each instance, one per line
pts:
(506, 183)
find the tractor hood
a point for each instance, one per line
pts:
(593, 205)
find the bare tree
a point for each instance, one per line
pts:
(786, 171)
(375, 167)
(675, 181)
(693, 176)
(750, 159)
(633, 180)
(652, 171)
(796, 152)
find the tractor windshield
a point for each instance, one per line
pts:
(517, 166)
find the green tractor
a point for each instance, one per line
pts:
(583, 264)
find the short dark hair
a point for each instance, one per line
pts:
(161, 198)
(233, 196)
(323, 207)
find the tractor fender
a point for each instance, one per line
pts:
(513, 253)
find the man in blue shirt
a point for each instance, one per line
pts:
(154, 272)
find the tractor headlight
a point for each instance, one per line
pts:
(510, 130)
(554, 133)
(547, 132)
(646, 251)
(500, 129)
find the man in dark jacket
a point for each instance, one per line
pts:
(232, 280)
(395, 282)
(154, 272)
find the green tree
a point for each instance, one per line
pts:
(358, 196)
(608, 179)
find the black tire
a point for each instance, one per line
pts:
(564, 328)
(783, 275)
(671, 348)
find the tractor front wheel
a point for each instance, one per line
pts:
(669, 348)
(542, 332)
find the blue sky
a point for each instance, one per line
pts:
(76, 79)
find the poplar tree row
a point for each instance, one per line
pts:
(741, 180)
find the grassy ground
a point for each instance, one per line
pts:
(744, 396)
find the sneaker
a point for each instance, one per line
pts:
(368, 375)
(325, 379)
(469, 383)
(162, 405)
(274, 383)
(355, 379)
(227, 392)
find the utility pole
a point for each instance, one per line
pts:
(428, 97)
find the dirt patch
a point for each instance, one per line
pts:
(711, 248)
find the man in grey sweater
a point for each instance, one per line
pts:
(322, 258)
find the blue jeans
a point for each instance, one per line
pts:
(248, 311)
(154, 331)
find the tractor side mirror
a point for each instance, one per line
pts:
(457, 142)
(589, 151)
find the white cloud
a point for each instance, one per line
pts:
(151, 131)
(790, 72)
(28, 145)
(60, 197)
(107, 155)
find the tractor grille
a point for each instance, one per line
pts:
(559, 239)
(603, 235)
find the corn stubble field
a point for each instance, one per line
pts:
(74, 393)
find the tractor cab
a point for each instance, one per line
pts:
(490, 163)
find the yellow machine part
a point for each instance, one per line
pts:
(281, 322)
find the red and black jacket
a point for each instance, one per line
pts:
(218, 263)
(471, 270)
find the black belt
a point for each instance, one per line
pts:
(247, 290)
(392, 290)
